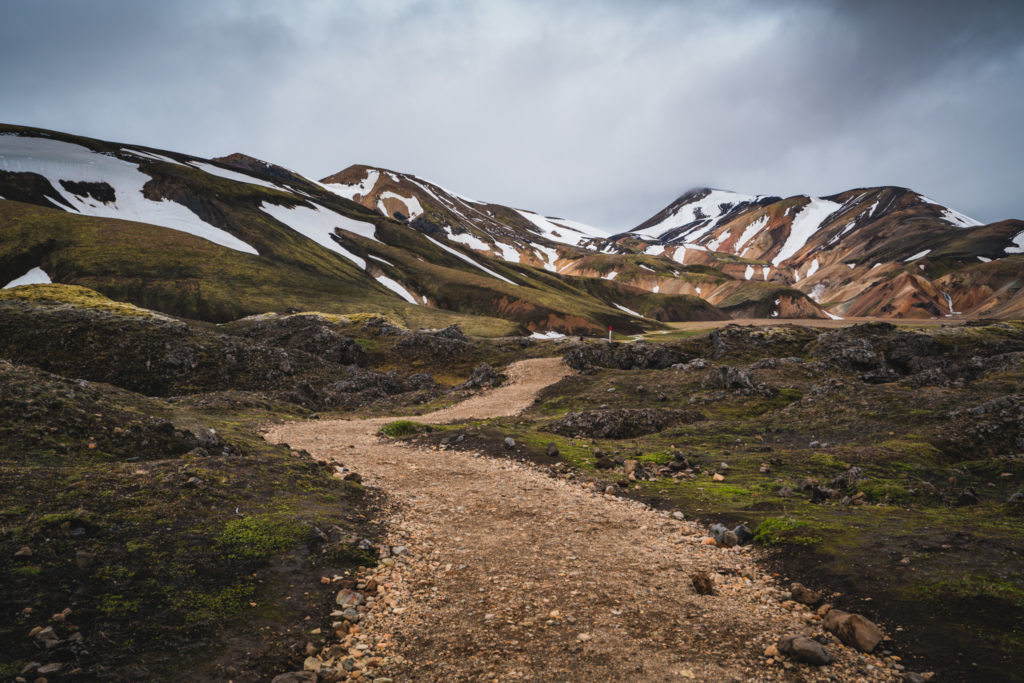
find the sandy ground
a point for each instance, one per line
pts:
(508, 573)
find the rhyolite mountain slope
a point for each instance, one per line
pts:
(883, 251)
(222, 238)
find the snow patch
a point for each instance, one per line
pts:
(36, 276)
(152, 156)
(627, 310)
(471, 241)
(362, 188)
(831, 315)
(765, 270)
(318, 224)
(508, 252)
(378, 258)
(984, 260)
(550, 256)
(655, 250)
(813, 269)
(707, 211)
(56, 160)
(396, 288)
(413, 208)
(232, 175)
(748, 233)
(566, 232)
(749, 273)
(1018, 241)
(918, 255)
(611, 275)
(547, 335)
(807, 222)
(470, 261)
(851, 266)
(657, 289)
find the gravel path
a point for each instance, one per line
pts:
(503, 572)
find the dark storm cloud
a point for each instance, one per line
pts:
(599, 111)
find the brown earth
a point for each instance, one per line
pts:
(506, 573)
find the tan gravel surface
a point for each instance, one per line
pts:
(505, 572)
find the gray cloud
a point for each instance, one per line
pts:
(600, 111)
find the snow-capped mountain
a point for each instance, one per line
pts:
(216, 238)
(836, 248)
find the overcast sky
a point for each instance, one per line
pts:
(597, 111)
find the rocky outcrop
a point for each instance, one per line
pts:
(639, 356)
(622, 423)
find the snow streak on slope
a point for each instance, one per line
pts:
(350, 191)
(233, 175)
(36, 276)
(470, 261)
(805, 224)
(396, 288)
(56, 160)
(559, 230)
(318, 224)
(952, 217)
(413, 208)
(707, 210)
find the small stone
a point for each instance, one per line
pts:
(824, 609)
(354, 477)
(743, 534)
(193, 483)
(703, 584)
(349, 598)
(717, 477)
(510, 442)
(23, 551)
(771, 651)
(399, 550)
(854, 630)
(803, 649)
(552, 452)
(765, 468)
(805, 595)
(678, 515)
(629, 466)
(85, 559)
(1016, 499)
(729, 540)
(785, 492)
(50, 669)
(584, 637)
(312, 664)
(350, 615)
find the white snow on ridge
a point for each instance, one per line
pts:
(958, 219)
(611, 275)
(36, 276)
(710, 209)
(471, 241)
(318, 224)
(56, 160)
(655, 250)
(232, 175)
(413, 208)
(153, 156)
(550, 255)
(362, 188)
(556, 232)
(547, 335)
(508, 252)
(749, 272)
(805, 223)
(627, 310)
(918, 255)
(470, 261)
(1018, 241)
(813, 269)
(397, 289)
(748, 233)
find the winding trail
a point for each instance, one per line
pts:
(512, 574)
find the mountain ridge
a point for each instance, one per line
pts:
(377, 233)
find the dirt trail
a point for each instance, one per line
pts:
(511, 574)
